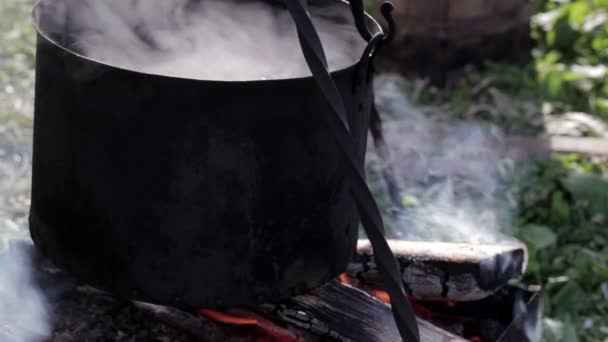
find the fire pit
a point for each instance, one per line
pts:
(228, 191)
(351, 308)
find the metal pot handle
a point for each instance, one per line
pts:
(365, 69)
(366, 205)
(375, 41)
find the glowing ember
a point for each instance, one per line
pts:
(221, 317)
(381, 295)
(344, 279)
(420, 310)
(268, 331)
(378, 294)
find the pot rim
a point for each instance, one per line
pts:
(370, 19)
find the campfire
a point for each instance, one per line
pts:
(479, 275)
(241, 231)
(459, 292)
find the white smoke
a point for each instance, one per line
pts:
(24, 315)
(451, 173)
(201, 39)
(23, 309)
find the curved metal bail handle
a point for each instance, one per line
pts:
(375, 41)
(358, 10)
(366, 205)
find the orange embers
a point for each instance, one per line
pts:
(264, 330)
(345, 279)
(381, 295)
(354, 282)
(221, 317)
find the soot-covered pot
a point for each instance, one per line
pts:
(180, 150)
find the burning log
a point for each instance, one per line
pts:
(270, 331)
(445, 271)
(199, 328)
(334, 312)
(345, 313)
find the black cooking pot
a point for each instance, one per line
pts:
(184, 154)
(188, 191)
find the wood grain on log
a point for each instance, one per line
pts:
(446, 271)
(346, 313)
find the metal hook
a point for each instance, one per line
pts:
(358, 10)
(375, 44)
(387, 12)
(359, 14)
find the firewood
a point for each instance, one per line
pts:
(345, 313)
(199, 328)
(333, 312)
(445, 271)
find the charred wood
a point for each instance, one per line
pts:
(445, 271)
(333, 312)
(344, 313)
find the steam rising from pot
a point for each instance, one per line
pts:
(452, 174)
(202, 39)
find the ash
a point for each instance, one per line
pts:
(87, 315)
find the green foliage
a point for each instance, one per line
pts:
(537, 237)
(572, 53)
(17, 48)
(506, 95)
(369, 5)
(569, 70)
(592, 190)
(563, 221)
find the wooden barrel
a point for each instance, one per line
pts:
(435, 37)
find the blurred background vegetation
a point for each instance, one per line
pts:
(562, 207)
